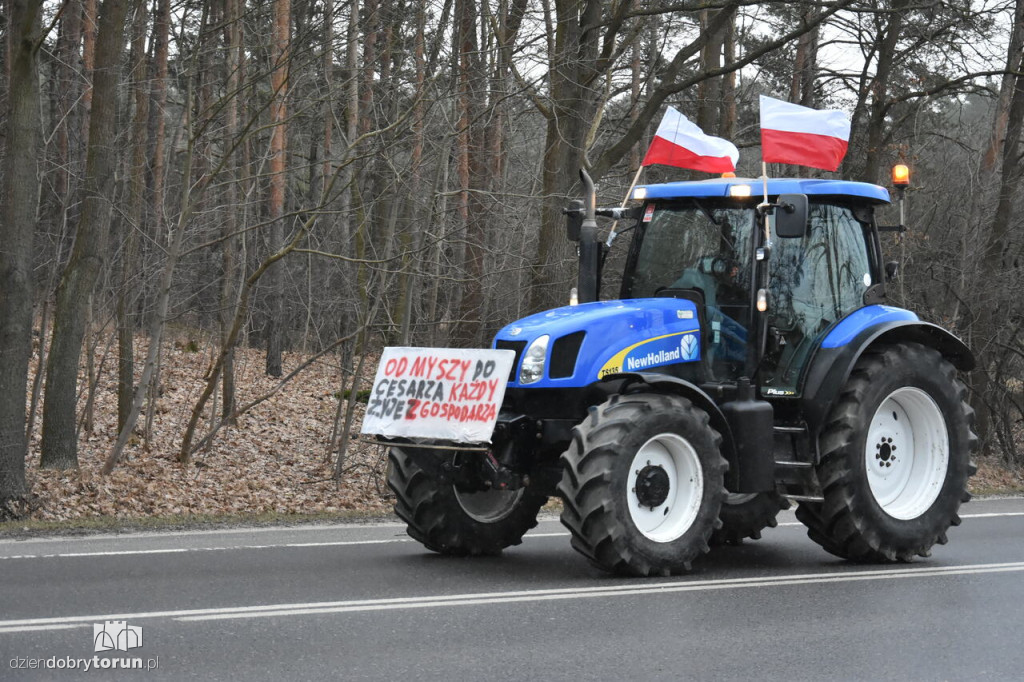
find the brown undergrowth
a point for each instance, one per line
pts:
(274, 461)
(273, 464)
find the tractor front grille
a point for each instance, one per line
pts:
(518, 347)
(563, 355)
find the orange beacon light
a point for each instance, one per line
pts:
(900, 175)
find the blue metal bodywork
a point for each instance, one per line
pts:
(637, 335)
(627, 335)
(859, 320)
(723, 188)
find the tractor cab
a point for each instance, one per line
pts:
(701, 240)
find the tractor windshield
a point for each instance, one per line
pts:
(697, 246)
(691, 245)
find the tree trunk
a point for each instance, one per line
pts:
(801, 90)
(126, 295)
(409, 286)
(89, 29)
(709, 91)
(999, 256)
(471, 211)
(1000, 249)
(1006, 90)
(67, 82)
(161, 33)
(727, 110)
(277, 165)
(348, 181)
(60, 447)
(572, 72)
(230, 247)
(874, 135)
(20, 202)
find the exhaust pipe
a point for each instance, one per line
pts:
(589, 246)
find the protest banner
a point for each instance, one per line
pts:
(438, 393)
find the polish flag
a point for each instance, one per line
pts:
(802, 136)
(681, 143)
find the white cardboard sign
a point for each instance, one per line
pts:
(440, 393)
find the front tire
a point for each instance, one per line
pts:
(450, 521)
(895, 458)
(642, 484)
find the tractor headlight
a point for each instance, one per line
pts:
(532, 369)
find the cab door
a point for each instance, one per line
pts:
(815, 281)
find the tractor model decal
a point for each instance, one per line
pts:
(661, 350)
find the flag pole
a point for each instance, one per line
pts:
(625, 200)
(629, 191)
(764, 180)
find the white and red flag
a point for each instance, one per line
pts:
(679, 142)
(802, 136)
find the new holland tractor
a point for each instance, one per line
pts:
(750, 360)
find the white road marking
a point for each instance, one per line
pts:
(317, 527)
(339, 543)
(991, 515)
(632, 588)
(183, 550)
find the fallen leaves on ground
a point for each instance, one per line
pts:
(274, 460)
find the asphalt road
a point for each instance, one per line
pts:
(364, 602)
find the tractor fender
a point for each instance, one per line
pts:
(633, 382)
(830, 367)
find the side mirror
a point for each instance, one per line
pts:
(791, 215)
(891, 269)
(574, 213)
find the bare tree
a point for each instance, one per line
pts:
(127, 294)
(278, 180)
(20, 199)
(230, 256)
(60, 446)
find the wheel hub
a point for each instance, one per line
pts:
(885, 453)
(652, 486)
(664, 487)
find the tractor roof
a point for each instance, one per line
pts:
(721, 187)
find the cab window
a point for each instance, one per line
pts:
(815, 282)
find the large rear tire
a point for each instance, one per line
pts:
(745, 516)
(895, 458)
(642, 484)
(450, 521)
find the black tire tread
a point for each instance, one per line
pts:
(836, 524)
(588, 507)
(435, 519)
(747, 519)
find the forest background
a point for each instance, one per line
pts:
(215, 212)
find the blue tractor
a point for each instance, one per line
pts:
(751, 359)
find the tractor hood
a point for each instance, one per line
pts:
(590, 341)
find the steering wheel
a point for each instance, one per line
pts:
(718, 266)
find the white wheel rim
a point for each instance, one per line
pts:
(906, 453)
(736, 499)
(673, 517)
(489, 506)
